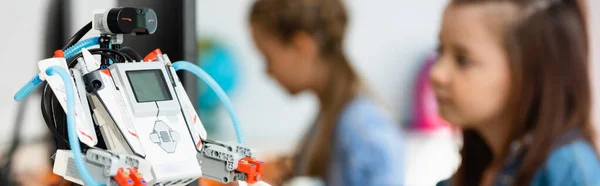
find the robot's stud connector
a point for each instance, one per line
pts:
(137, 178)
(252, 168)
(122, 178)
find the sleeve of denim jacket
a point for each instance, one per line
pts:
(374, 144)
(575, 164)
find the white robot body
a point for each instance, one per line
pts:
(155, 130)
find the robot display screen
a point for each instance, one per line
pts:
(148, 85)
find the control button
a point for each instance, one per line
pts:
(164, 136)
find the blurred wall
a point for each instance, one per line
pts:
(19, 52)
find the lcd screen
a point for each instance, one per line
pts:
(148, 85)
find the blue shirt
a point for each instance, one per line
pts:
(368, 148)
(575, 164)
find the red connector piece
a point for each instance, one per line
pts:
(122, 178)
(252, 168)
(137, 178)
(59, 54)
(152, 56)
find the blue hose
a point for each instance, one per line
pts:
(36, 80)
(184, 65)
(81, 45)
(28, 88)
(73, 139)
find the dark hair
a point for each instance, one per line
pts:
(547, 46)
(326, 21)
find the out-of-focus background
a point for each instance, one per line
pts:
(389, 41)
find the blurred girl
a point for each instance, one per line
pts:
(514, 75)
(352, 142)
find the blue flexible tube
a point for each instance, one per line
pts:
(36, 80)
(28, 88)
(89, 42)
(73, 139)
(184, 65)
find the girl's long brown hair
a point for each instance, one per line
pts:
(547, 46)
(326, 21)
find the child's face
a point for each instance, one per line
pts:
(471, 77)
(287, 63)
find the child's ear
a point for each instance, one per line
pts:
(305, 45)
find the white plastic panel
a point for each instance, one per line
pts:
(85, 134)
(117, 107)
(194, 123)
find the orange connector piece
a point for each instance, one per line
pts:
(59, 54)
(252, 168)
(137, 178)
(122, 178)
(152, 56)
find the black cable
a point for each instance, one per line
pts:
(104, 42)
(119, 53)
(78, 35)
(131, 53)
(72, 61)
(59, 119)
(117, 47)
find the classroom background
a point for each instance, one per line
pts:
(389, 43)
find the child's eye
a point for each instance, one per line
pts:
(462, 61)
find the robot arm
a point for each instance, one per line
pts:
(228, 162)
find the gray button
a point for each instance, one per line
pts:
(164, 135)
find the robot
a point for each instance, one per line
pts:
(132, 116)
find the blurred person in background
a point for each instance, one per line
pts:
(352, 142)
(514, 75)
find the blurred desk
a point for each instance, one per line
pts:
(430, 157)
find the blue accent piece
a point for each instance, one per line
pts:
(110, 60)
(81, 45)
(184, 65)
(129, 181)
(28, 88)
(143, 181)
(73, 139)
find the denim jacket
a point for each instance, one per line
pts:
(368, 147)
(573, 163)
